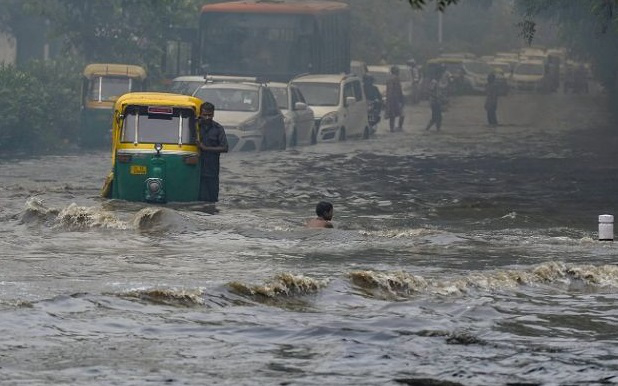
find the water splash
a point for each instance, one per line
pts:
(76, 217)
(168, 296)
(284, 285)
(389, 285)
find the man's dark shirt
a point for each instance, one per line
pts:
(212, 135)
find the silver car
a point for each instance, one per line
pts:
(249, 114)
(297, 115)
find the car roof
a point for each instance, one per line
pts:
(232, 85)
(277, 84)
(379, 68)
(189, 78)
(539, 62)
(324, 78)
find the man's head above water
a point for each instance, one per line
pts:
(324, 210)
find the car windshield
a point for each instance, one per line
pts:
(503, 66)
(478, 68)
(281, 96)
(320, 94)
(105, 88)
(229, 99)
(185, 87)
(529, 69)
(140, 126)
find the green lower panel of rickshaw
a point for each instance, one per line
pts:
(180, 181)
(95, 127)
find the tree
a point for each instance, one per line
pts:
(128, 31)
(589, 28)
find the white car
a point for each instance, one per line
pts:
(338, 103)
(186, 84)
(529, 75)
(297, 115)
(381, 73)
(248, 113)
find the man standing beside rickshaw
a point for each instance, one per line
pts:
(212, 143)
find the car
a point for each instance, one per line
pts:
(186, 84)
(297, 115)
(475, 77)
(529, 75)
(381, 73)
(248, 111)
(339, 105)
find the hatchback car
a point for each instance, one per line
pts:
(248, 112)
(297, 115)
(338, 103)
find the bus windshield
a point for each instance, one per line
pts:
(320, 94)
(141, 127)
(252, 44)
(105, 88)
(273, 40)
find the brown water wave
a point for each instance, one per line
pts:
(288, 290)
(75, 217)
(393, 285)
(167, 296)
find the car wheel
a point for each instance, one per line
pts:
(342, 134)
(366, 133)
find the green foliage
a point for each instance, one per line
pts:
(117, 31)
(40, 107)
(588, 28)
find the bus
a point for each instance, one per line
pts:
(274, 40)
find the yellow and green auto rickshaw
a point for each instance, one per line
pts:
(102, 85)
(155, 157)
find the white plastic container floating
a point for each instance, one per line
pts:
(606, 227)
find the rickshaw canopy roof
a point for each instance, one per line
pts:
(158, 99)
(109, 69)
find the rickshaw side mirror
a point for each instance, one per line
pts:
(158, 147)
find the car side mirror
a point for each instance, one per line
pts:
(350, 101)
(300, 106)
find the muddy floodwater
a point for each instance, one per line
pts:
(465, 257)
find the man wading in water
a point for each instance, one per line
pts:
(212, 143)
(324, 211)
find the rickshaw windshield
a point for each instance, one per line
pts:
(144, 124)
(105, 88)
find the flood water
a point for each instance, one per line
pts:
(466, 257)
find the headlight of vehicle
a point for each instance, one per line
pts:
(329, 119)
(251, 124)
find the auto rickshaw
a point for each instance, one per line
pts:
(155, 157)
(102, 85)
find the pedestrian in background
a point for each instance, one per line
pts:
(491, 100)
(435, 102)
(394, 100)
